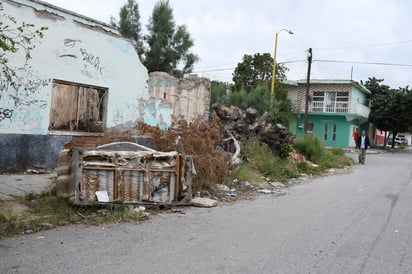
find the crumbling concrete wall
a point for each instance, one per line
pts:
(186, 98)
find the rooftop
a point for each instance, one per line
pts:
(327, 82)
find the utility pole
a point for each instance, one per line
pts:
(307, 91)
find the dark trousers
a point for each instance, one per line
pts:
(362, 154)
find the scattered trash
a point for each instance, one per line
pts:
(46, 226)
(175, 210)
(233, 194)
(265, 191)
(222, 187)
(40, 237)
(139, 209)
(396, 231)
(102, 196)
(35, 171)
(246, 184)
(277, 185)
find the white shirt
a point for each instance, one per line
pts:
(362, 145)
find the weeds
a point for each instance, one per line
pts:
(34, 213)
(261, 161)
(402, 146)
(311, 147)
(246, 172)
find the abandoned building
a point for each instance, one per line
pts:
(85, 84)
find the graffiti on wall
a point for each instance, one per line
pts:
(91, 65)
(5, 113)
(21, 104)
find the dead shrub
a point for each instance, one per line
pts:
(201, 140)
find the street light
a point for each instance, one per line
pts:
(272, 91)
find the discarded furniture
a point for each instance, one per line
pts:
(124, 173)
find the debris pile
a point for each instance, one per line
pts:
(239, 126)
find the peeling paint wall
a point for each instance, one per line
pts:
(186, 98)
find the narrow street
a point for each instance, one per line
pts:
(354, 223)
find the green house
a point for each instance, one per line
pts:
(336, 109)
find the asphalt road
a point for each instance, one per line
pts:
(354, 223)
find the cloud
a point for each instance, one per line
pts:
(351, 30)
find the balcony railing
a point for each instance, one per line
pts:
(335, 107)
(318, 106)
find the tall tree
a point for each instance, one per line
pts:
(129, 24)
(255, 70)
(390, 108)
(16, 39)
(168, 45)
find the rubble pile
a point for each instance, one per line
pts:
(239, 126)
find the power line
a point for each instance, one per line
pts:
(365, 63)
(232, 68)
(369, 46)
(212, 70)
(319, 60)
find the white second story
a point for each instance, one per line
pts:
(345, 97)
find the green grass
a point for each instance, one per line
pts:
(246, 172)
(47, 210)
(260, 161)
(264, 162)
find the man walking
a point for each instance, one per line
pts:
(363, 144)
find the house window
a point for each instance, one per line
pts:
(342, 99)
(325, 132)
(334, 132)
(330, 101)
(310, 127)
(317, 101)
(77, 108)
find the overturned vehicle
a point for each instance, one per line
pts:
(124, 172)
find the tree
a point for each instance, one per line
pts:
(255, 70)
(16, 39)
(390, 108)
(219, 92)
(168, 45)
(129, 24)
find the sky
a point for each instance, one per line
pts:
(351, 39)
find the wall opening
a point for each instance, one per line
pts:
(77, 107)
